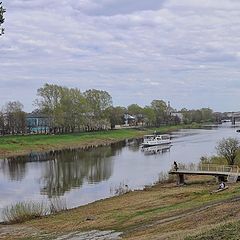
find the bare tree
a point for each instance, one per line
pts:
(14, 118)
(228, 148)
(2, 11)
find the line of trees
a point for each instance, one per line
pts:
(199, 115)
(70, 110)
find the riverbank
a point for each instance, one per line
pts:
(20, 145)
(164, 211)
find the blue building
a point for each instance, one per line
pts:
(38, 123)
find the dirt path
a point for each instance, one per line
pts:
(92, 235)
(15, 232)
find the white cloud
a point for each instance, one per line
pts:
(181, 47)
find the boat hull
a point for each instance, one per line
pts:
(155, 144)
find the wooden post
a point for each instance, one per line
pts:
(233, 119)
(221, 178)
(180, 179)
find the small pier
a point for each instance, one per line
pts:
(221, 172)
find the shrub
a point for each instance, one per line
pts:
(23, 211)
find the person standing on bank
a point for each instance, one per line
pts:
(175, 165)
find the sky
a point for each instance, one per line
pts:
(183, 51)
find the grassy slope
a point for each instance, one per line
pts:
(161, 212)
(16, 145)
(229, 231)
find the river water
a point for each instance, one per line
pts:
(83, 176)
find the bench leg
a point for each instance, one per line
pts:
(221, 178)
(180, 179)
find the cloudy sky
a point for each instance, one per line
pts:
(183, 51)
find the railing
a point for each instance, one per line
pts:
(209, 168)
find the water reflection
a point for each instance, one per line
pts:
(71, 168)
(133, 144)
(14, 169)
(156, 149)
(66, 169)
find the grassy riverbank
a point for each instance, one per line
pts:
(164, 211)
(18, 145)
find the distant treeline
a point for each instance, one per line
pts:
(70, 110)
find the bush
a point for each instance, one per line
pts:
(214, 160)
(23, 211)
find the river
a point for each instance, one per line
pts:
(83, 176)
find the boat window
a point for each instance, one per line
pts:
(165, 137)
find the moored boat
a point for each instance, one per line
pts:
(153, 140)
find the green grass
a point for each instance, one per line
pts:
(191, 200)
(14, 145)
(229, 231)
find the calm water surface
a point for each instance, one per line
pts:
(84, 176)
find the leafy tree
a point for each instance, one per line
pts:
(77, 108)
(228, 148)
(149, 116)
(2, 11)
(2, 123)
(160, 108)
(187, 117)
(50, 104)
(207, 115)
(97, 102)
(137, 111)
(134, 109)
(116, 115)
(196, 116)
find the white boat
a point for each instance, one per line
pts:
(153, 140)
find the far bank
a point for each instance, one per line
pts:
(21, 145)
